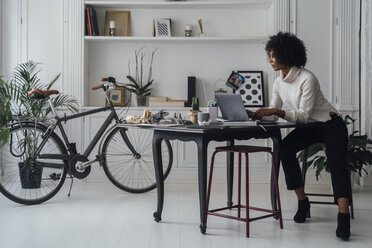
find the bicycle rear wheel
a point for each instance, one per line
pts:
(24, 179)
(130, 172)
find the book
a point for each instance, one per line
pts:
(167, 104)
(170, 100)
(86, 26)
(89, 22)
(158, 99)
(94, 22)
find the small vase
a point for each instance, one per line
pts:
(193, 114)
(141, 101)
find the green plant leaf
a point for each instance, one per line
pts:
(132, 80)
(314, 149)
(320, 166)
(358, 141)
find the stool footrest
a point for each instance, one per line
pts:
(242, 206)
(321, 202)
(313, 194)
(272, 212)
(243, 149)
(242, 219)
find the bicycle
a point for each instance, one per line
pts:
(35, 161)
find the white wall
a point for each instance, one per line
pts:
(366, 75)
(11, 35)
(316, 32)
(46, 36)
(1, 35)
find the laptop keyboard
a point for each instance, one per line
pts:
(240, 123)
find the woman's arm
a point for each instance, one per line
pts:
(267, 112)
(274, 111)
(249, 112)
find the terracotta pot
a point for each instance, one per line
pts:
(193, 114)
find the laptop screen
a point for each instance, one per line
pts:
(232, 107)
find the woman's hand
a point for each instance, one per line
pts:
(267, 112)
(250, 113)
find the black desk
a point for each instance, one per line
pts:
(202, 136)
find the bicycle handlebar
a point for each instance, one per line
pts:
(97, 87)
(111, 80)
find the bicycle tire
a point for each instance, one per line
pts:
(122, 172)
(17, 180)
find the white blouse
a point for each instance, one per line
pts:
(300, 97)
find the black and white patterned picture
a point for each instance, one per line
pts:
(163, 28)
(252, 90)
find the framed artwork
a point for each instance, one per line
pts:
(252, 90)
(235, 80)
(163, 27)
(117, 96)
(121, 20)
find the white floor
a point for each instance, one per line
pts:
(99, 215)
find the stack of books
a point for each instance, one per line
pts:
(91, 26)
(163, 101)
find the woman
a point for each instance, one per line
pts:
(298, 91)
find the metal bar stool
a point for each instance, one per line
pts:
(304, 168)
(245, 150)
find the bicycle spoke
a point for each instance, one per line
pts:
(22, 180)
(132, 172)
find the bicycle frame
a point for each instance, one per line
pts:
(71, 150)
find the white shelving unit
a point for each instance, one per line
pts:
(185, 4)
(175, 39)
(235, 35)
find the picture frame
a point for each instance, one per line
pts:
(117, 96)
(235, 80)
(252, 90)
(122, 22)
(163, 27)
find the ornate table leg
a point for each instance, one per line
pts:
(202, 145)
(230, 174)
(156, 149)
(276, 138)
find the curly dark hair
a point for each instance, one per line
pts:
(287, 49)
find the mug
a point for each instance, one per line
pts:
(203, 117)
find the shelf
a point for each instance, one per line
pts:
(181, 4)
(175, 39)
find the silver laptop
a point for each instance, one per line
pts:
(232, 109)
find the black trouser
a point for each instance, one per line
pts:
(333, 134)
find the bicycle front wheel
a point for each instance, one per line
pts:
(27, 180)
(132, 172)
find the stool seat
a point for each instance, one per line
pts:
(243, 149)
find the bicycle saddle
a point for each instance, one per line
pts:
(41, 94)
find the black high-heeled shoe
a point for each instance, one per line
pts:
(343, 226)
(303, 211)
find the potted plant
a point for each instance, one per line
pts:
(358, 153)
(25, 78)
(137, 83)
(15, 101)
(5, 113)
(193, 113)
